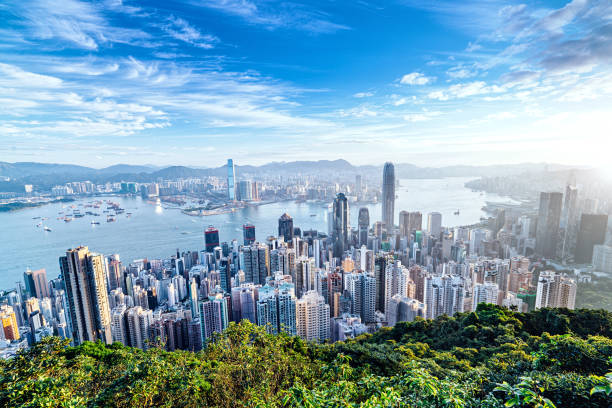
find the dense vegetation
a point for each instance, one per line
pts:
(492, 357)
(596, 294)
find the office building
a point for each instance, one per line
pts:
(549, 217)
(593, 228)
(341, 225)
(86, 290)
(285, 227)
(231, 180)
(602, 258)
(36, 283)
(434, 224)
(388, 196)
(248, 233)
(363, 222)
(211, 238)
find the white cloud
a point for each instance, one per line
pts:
(415, 78)
(465, 90)
(363, 94)
(183, 31)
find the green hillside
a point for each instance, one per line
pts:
(491, 358)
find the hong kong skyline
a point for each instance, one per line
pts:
(188, 82)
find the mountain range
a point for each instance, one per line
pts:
(45, 175)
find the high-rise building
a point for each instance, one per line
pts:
(404, 223)
(285, 227)
(139, 321)
(211, 238)
(364, 225)
(245, 190)
(86, 290)
(549, 216)
(388, 196)
(276, 309)
(231, 180)
(434, 224)
(341, 220)
(8, 319)
(602, 258)
(362, 288)
(214, 316)
(312, 317)
(569, 218)
(444, 295)
(255, 262)
(403, 309)
(592, 232)
(248, 232)
(555, 290)
(395, 281)
(485, 293)
(36, 283)
(358, 186)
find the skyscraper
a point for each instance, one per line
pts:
(211, 238)
(86, 291)
(592, 232)
(341, 219)
(549, 216)
(362, 288)
(555, 290)
(231, 180)
(248, 232)
(8, 320)
(388, 195)
(36, 283)
(285, 227)
(276, 309)
(434, 224)
(255, 262)
(364, 225)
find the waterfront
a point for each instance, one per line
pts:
(156, 231)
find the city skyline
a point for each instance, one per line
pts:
(406, 81)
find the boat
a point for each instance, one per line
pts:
(184, 232)
(456, 212)
(95, 223)
(35, 218)
(47, 229)
(67, 219)
(110, 219)
(313, 215)
(39, 224)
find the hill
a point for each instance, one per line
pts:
(488, 358)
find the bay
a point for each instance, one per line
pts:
(154, 231)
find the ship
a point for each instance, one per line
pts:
(95, 223)
(110, 219)
(47, 229)
(456, 212)
(67, 219)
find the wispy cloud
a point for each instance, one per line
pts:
(271, 15)
(183, 31)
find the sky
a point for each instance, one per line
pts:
(194, 82)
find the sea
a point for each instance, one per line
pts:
(155, 230)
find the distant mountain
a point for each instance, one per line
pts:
(45, 175)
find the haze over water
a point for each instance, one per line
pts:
(156, 232)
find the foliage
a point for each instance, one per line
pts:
(492, 357)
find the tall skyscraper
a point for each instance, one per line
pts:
(255, 262)
(388, 195)
(36, 283)
(85, 280)
(139, 321)
(245, 190)
(593, 228)
(569, 219)
(364, 225)
(211, 238)
(549, 216)
(285, 227)
(395, 281)
(434, 224)
(248, 232)
(362, 288)
(341, 220)
(231, 180)
(358, 186)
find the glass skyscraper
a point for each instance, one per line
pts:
(231, 180)
(388, 195)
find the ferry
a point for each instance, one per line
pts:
(95, 223)
(47, 229)
(110, 219)
(39, 224)
(456, 212)
(35, 218)
(67, 219)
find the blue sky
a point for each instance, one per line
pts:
(193, 82)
